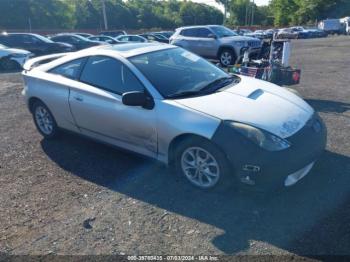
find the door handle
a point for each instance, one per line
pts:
(78, 98)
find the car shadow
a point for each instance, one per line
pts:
(327, 106)
(281, 219)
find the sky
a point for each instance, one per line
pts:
(213, 3)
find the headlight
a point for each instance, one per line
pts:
(261, 138)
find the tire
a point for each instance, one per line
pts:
(44, 120)
(216, 163)
(227, 57)
(8, 64)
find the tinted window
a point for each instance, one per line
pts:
(124, 38)
(70, 70)
(29, 39)
(222, 31)
(189, 32)
(109, 74)
(203, 32)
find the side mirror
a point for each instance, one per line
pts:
(138, 98)
(212, 36)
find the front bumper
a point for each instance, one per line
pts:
(265, 169)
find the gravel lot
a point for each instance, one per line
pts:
(75, 196)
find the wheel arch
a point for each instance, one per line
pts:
(31, 102)
(223, 47)
(176, 141)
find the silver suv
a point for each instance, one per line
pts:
(215, 42)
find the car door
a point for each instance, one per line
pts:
(205, 44)
(189, 40)
(28, 42)
(99, 112)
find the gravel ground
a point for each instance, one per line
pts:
(75, 196)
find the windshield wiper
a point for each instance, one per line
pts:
(184, 94)
(218, 83)
(209, 88)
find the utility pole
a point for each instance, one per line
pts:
(225, 11)
(253, 7)
(30, 24)
(104, 14)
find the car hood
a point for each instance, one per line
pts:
(257, 103)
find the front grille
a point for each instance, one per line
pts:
(253, 44)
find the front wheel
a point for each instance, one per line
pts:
(227, 57)
(44, 120)
(203, 164)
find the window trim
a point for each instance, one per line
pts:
(105, 89)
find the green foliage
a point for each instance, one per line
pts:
(79, 14)
(135, 14)
(287, 12)
(244, 12)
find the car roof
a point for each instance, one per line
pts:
(131, 49)
(19, 34)
(196, 26)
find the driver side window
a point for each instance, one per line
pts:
(110, 74)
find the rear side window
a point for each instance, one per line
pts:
(189, 32)
(203, 32)
(70, 70)
(110, 74)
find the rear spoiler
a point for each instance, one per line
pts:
(30, 64)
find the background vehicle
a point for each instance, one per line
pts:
(167, 34)
(346, 24)
(242, 31)
(77, 41)
(156, 38)
(178, 108)
(331, 26)
(270, 32)
(317, 33)
(131, 38)
(257, 34)
(34, 43)
(287, 33)
(215, 42)
(104, 38)
(11, 58)
(301, 31)
(114, 33)
(87, 35)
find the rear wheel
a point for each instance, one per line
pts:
(203, 164)
(8, 64)
(227, 57)
(44, 120)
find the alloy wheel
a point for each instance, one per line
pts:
(44, 120)
(226, 58)
(200, 167)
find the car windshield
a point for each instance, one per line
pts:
(222, 31)
(176, 72)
